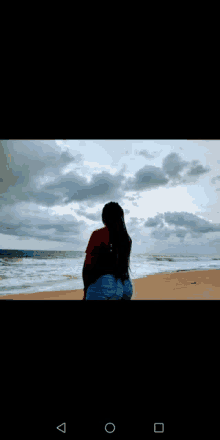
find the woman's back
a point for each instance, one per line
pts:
(105, 257)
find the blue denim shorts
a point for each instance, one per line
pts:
(106, 287)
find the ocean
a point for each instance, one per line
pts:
(38, 271)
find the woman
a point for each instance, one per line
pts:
(105, 270)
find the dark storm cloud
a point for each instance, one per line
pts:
(183, 223)
(73, 187)
(214, 179)
(144, 153)
(191, 221)
(28, 161)
(150, 176)
(90, 216)
(156, 221)
(147, 177)
(173, 164)
(197, 170)
(161, 234)
(35, 223)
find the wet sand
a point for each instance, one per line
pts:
(204, 284)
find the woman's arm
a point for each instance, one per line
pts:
(86, 275)
(84, 295)
(89, 263)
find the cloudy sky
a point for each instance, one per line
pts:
(52, 193)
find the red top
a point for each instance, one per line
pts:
(100, 237)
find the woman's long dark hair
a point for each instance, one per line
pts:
(113, 218)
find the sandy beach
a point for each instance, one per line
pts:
(204, 284)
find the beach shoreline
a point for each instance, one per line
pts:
(199, 284)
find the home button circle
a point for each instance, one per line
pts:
(109, 427)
